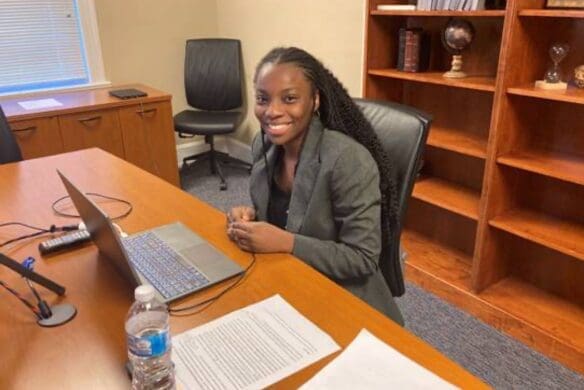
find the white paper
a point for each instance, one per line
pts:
(41, 103)
(250, 348)
(369, 363)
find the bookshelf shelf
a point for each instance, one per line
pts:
(552, 13)
(571, 95)
(459, 141)
(448, 195)
(462, 14)
(444, 263)
(486, 84)
(559, 166)
(551, 320)
(543, 229)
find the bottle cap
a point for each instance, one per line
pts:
(144, 293)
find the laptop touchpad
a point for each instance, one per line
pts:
(211, 262)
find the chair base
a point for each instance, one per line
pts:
(216, 161)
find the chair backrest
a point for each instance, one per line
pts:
(9, 149)
(213, 74)
(402, 131)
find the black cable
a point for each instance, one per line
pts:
(44, 309)
(22, 238)
(17, 295)
(208, 302)
(124, 214)
(41, 231)
(23, 224)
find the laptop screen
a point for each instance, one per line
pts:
(102, 231)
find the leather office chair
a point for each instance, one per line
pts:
(9, 149)
(213, 84)
(402, 131)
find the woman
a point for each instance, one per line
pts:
(315, 181)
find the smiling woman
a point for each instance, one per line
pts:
(315, 184)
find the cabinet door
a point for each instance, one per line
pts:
(92, 129)
(38, 137)
(148, 134)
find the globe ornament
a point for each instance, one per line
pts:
(456, 37)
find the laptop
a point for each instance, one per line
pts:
(172, 258)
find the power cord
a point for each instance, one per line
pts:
(63, 214)
(22, 299)
(39, 231)
(179, 312)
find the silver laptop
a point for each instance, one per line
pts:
(172, 258)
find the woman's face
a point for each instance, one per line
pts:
(284, 103)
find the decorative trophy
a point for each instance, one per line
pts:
(552, 79)
(457, 36)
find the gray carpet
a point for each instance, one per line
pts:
(499, 360)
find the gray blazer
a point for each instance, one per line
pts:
(334, 211)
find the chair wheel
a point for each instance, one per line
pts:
(223, 186)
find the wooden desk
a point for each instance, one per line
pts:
(140, 130)
(90, 351)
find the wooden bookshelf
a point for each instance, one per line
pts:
(438, 261)
(544, 230)
(552, 13)
(448, 195)
(479, 83)
(566, 167)
(460, 14)
(496, 224)
(571, 95)
(459, 141)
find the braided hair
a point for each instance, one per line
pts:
(339, 112)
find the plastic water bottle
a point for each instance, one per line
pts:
(149, 345)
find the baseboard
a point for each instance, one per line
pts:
(233, 147)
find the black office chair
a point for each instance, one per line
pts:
(213, 84)
(402, 131)
(9, 149)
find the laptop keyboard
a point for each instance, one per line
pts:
(162, 266)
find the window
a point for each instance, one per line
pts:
(48, 44)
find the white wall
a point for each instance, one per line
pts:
(143, 40)
(331, 30)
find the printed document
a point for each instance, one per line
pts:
(250, 348)
(41, 103)
(369, 363)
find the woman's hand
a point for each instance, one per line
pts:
(261, 237)
(239, 214)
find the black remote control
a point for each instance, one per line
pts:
(65, 241)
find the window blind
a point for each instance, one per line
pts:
(41, 45)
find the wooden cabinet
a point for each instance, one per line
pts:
(38, 137)
(137, 130)
(496, 223)
(143, 138)
(92, 129)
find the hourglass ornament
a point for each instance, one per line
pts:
(457, 36)
(552, 78)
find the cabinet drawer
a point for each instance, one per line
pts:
(92, 129)
(38, 137)
(148, 134)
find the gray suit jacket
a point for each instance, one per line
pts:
(334, 211)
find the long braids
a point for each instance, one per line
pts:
(339, 112)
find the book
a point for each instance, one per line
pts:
(401, 48)
(413, 50)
